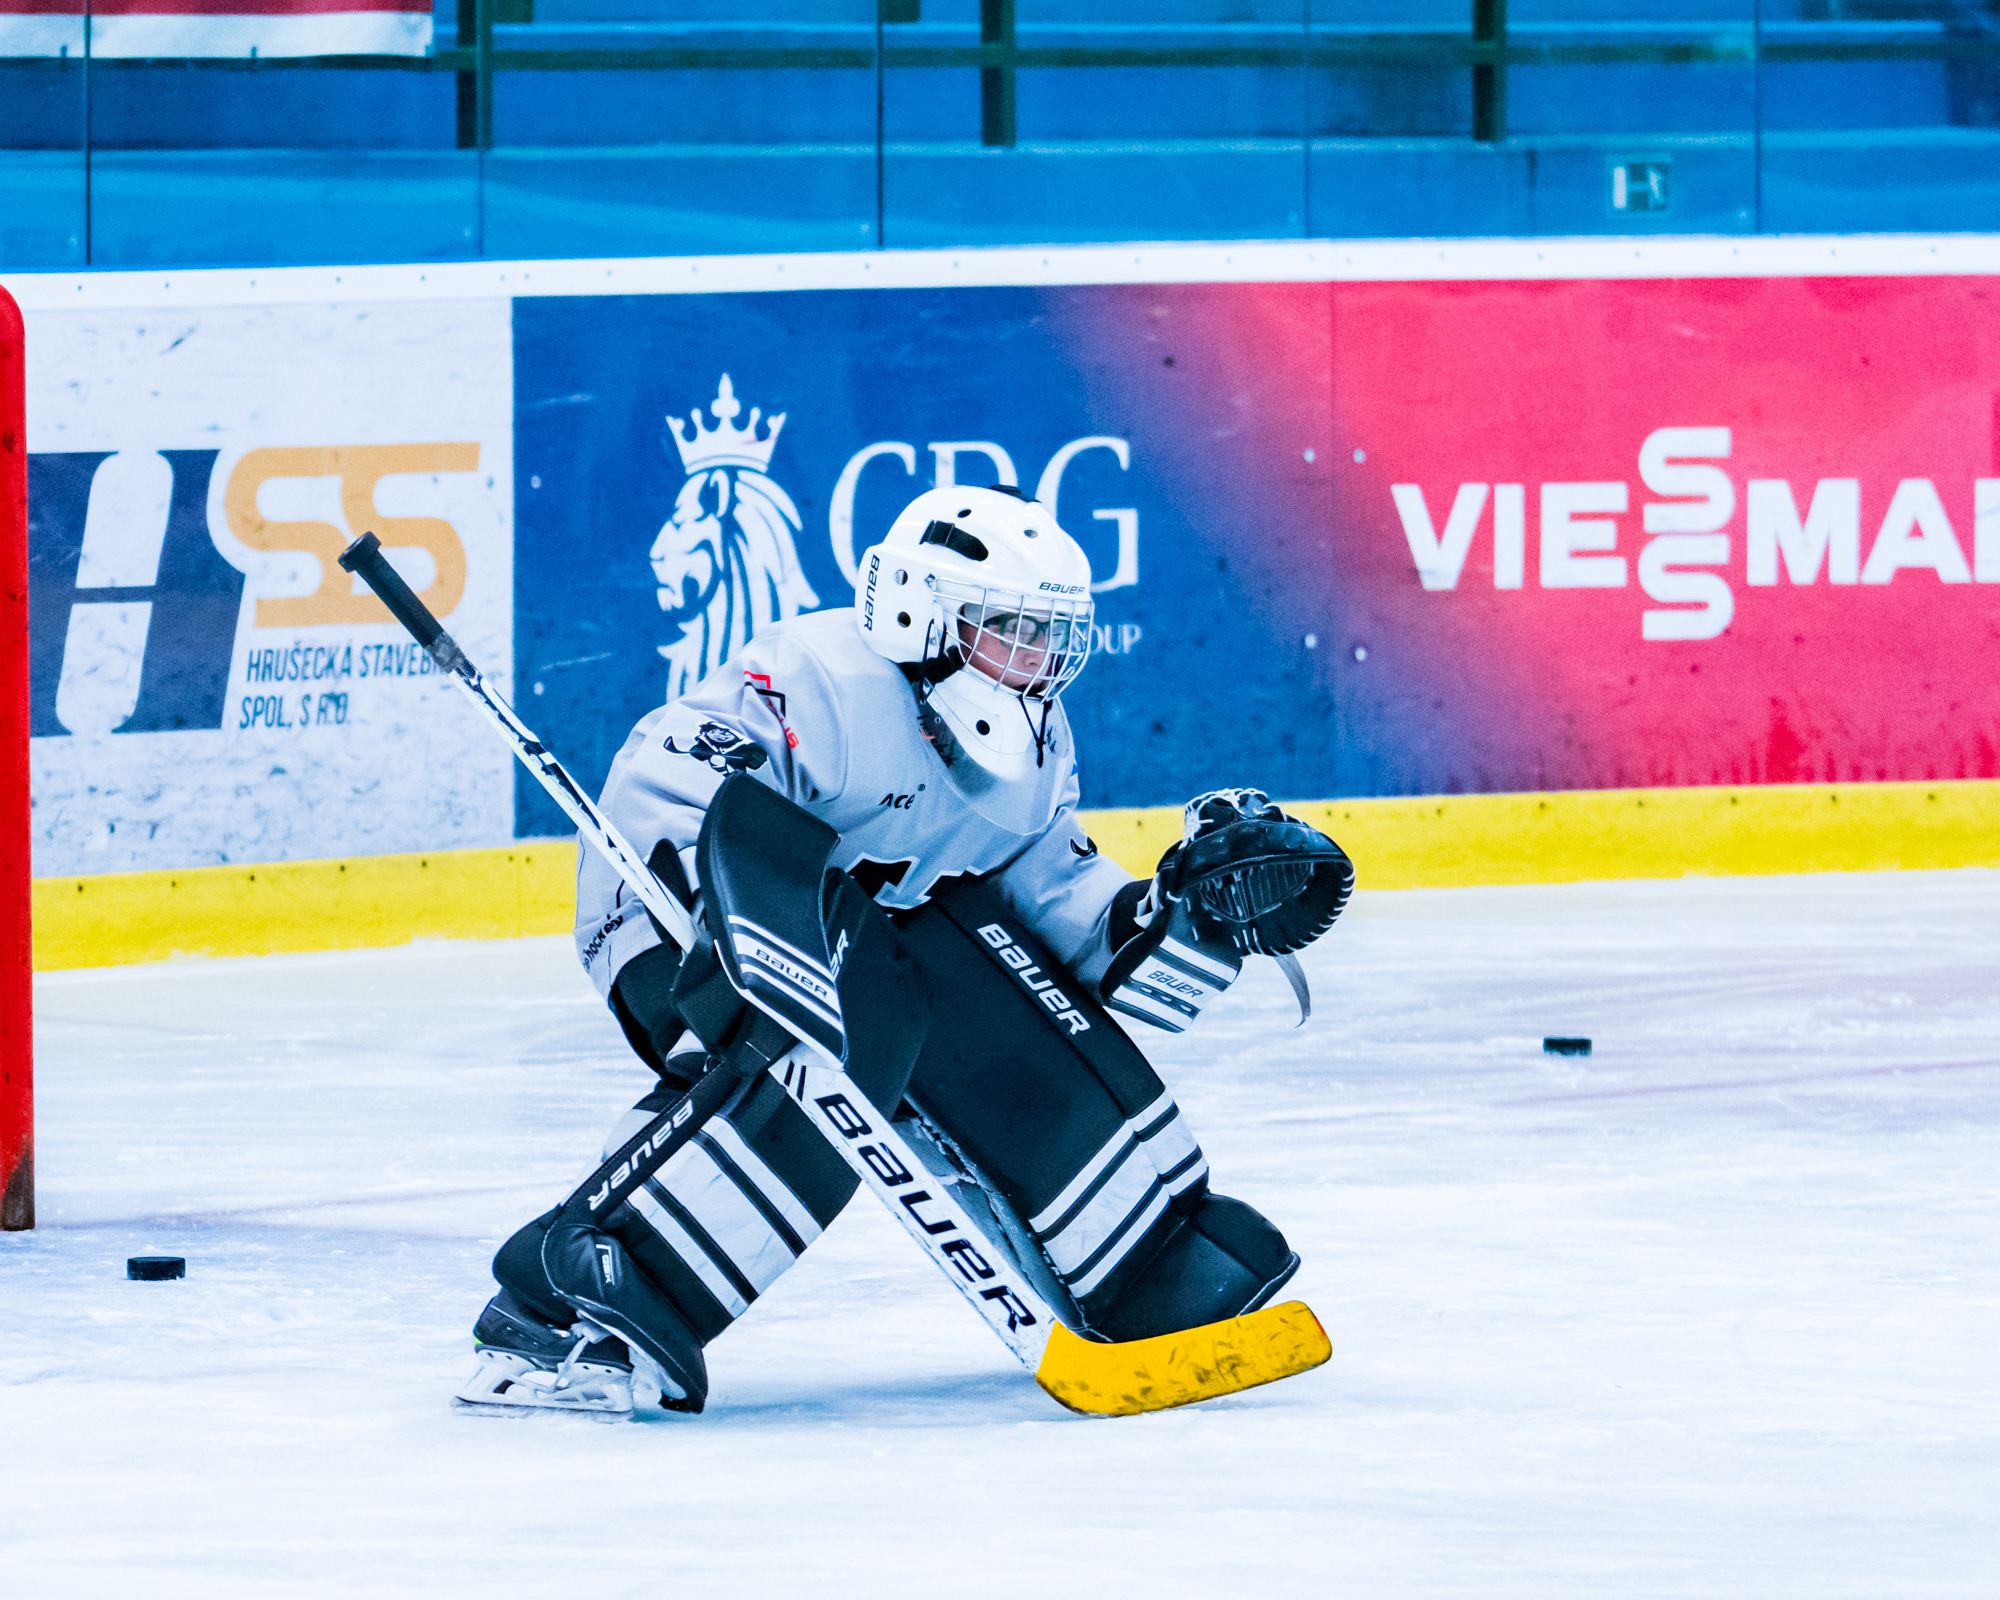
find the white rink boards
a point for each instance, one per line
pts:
(1713, 1312)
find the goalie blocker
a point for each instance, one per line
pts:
(1007, 1078)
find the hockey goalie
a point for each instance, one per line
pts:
(987, 959)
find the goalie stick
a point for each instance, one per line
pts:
(1106, 1378)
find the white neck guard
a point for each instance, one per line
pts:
(1013, 750)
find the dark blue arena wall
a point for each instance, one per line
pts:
(1145, 386)
(641, 127)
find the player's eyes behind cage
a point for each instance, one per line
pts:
(1024, 628)
(1034, 643)
(1039, 651)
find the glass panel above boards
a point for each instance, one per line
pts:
(1011, 121)
(523, 128)
(44, 150)
(673, 127)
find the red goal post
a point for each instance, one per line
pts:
(17, 1036)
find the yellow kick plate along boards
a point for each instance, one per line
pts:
(1177, 1369)
(1405, 842)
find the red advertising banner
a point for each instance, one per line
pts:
(1604, 534)
(173, 29)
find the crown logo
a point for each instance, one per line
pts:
(725, 445)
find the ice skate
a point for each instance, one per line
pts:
(522, 1361)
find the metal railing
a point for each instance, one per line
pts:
(495, 36)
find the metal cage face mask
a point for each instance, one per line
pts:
(1027, 645)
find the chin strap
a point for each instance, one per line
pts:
(937, 663)
(1040, 734)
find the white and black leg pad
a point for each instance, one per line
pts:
(1224, 1261)
(734, 1207)
(1041, 1089)
(715, 1227)
(746, 1190)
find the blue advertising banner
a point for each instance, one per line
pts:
(690, 468)
(1398, 519)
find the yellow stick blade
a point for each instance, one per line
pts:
(1177, 1369)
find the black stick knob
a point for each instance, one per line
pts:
(365, 557)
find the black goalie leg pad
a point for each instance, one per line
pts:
(746, 1189)
(886, 1001)
(1049, 1104)
(706, 1223)
(591, 1271)
(1223, 1261)
(717, 1225)
(755, 1184)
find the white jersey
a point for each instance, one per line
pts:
(839, 727)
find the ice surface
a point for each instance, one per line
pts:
(1715, 1311)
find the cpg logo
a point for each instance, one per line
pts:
(1048, 489)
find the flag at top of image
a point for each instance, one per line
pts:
(139, 29)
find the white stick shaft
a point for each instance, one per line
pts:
(882, 1160)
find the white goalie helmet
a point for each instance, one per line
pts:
(984, 590)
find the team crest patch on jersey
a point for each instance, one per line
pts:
(725, 561)
(722, 748)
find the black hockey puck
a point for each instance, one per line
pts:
(156, 1269)
(1566, 1047)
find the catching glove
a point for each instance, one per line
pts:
(1254, 878)
(1244, 879)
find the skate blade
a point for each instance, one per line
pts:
(502, 1381)
(1179, 1369)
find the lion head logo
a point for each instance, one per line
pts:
(725, 561)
